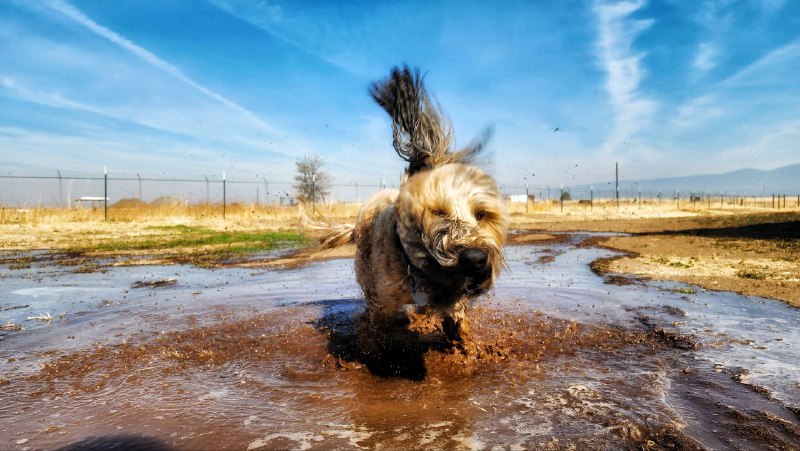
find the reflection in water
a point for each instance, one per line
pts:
(233, 359)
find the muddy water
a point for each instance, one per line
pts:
(243, 359)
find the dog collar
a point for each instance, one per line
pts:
(418, 292)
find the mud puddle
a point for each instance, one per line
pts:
(241, 359)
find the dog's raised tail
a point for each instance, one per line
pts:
(330, 235)
(421, 132)
(335, 235)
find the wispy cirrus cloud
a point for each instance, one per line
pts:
(79, 17)
(787, 54)
(617, 31)
(753, 83)
(333, 42)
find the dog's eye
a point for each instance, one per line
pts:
(438, 212)
(480, 215)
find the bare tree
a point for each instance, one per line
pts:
(312, 182)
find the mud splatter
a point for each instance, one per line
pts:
(233, 359)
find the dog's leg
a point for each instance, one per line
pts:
(455, 324)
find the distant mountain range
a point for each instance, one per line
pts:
(784, 180)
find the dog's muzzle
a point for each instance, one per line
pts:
(473, 261)
(474, 265)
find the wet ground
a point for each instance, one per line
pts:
(241, 359)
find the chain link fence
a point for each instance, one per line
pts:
(70, 190)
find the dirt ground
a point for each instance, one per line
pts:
(754, 254)
(581, 364)
(750, 252)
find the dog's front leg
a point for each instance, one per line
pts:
(455, 324)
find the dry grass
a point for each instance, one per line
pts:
(750, 250)
(64, 229)
(607, 209)
(82, 229)
(245, 215)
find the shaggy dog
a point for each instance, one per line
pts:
(437, 242)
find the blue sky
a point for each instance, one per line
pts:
(187, 88)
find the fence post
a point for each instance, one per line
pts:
(266, 191)
(616, 172)
(105, 193)
(526, 198)
(224, 195)
(60, 188)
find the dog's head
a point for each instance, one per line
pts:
(452, 224)
(452, 219)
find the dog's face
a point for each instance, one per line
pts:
(452, 223)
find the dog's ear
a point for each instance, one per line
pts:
(420, 136)
(422, 133)
(467, 154)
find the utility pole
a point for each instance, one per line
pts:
(105, 193)
(616, 171)
(527, 197)
(224, 195)
(60, 188)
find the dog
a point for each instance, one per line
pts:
(435, 243)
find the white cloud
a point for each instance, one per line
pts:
(783, 55)
(706, 57)
(623, 65)
(149, 57)
(778, 141)
(697, 112)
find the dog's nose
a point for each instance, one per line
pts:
(473, 259)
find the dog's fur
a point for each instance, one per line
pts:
(438, 240)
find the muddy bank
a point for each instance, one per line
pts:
(760, 259)
(235, 358)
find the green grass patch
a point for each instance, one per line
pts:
(235, 241)
(755, 275)
(684, 290)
